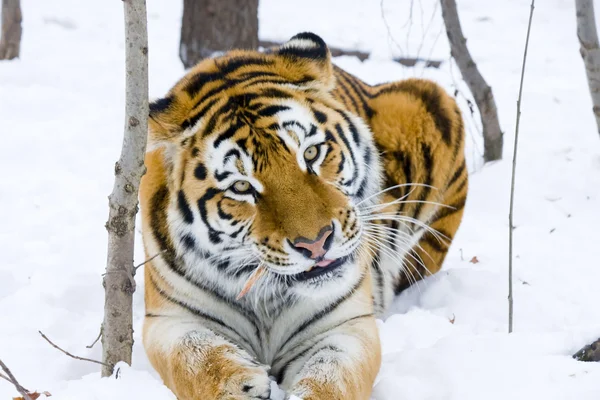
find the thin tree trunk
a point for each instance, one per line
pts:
(10, 42)
(482, 92)
(210, 26)
(590, 51)
(119, 283)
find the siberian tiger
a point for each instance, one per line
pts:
(344, 193)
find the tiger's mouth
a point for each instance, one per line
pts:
(319, 271)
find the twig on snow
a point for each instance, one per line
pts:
(11, 378)
(69, 354)
(512, 183)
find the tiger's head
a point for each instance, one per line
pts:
(265, 166)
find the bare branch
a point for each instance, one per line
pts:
(512, 182)
(95, 341)
(11, 378)
(69, 354)
(387, 26)
(147, 261)
(482, 92)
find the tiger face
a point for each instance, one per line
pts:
(265, 167)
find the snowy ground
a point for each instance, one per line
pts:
(61, 117)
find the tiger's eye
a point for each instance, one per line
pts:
(311, 153)
(241, 186)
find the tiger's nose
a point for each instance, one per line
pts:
(317, 248)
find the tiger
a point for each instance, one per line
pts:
(343, 193)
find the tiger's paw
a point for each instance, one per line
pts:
(248, 383)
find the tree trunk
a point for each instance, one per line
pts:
(10, 42)
(119, 283)
(590, 51)
(482, 93)
(209, 26)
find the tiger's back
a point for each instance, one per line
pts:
(419, 132)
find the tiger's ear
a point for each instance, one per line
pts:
(168, 120)
(306, 58)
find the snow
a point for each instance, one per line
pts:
(61, 118)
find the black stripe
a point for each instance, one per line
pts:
(288, 124)
(160, 105)
(367, 157)
(462, 185)
(188, 242)
(361, 188)
(213, 234)
(319, 116)
(158, 225)
(395, 225)
(313, 131)
(228, 134)
(197, 82)
(232, 153)
(223, 214)
(236, 233)
(233, 64)
(199, 114)
(198, 312)
(403, 282)
(352, 127)
(342, 161)
(269, 111)
(428, 168)
(221, 176)
(184, 208)
(323, 312)
(329, 136)
(275, 93)
(351, 80)
(457, 174)
(341, 85)
(376, 268)
(212, 122)
(447, 211)
(432, 241)
(152, 315)
(200, 172)
(342, 135)
(281, 375)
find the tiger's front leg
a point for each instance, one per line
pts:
(342, 366)
(197, 364)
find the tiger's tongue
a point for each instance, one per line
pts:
(323, 263)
